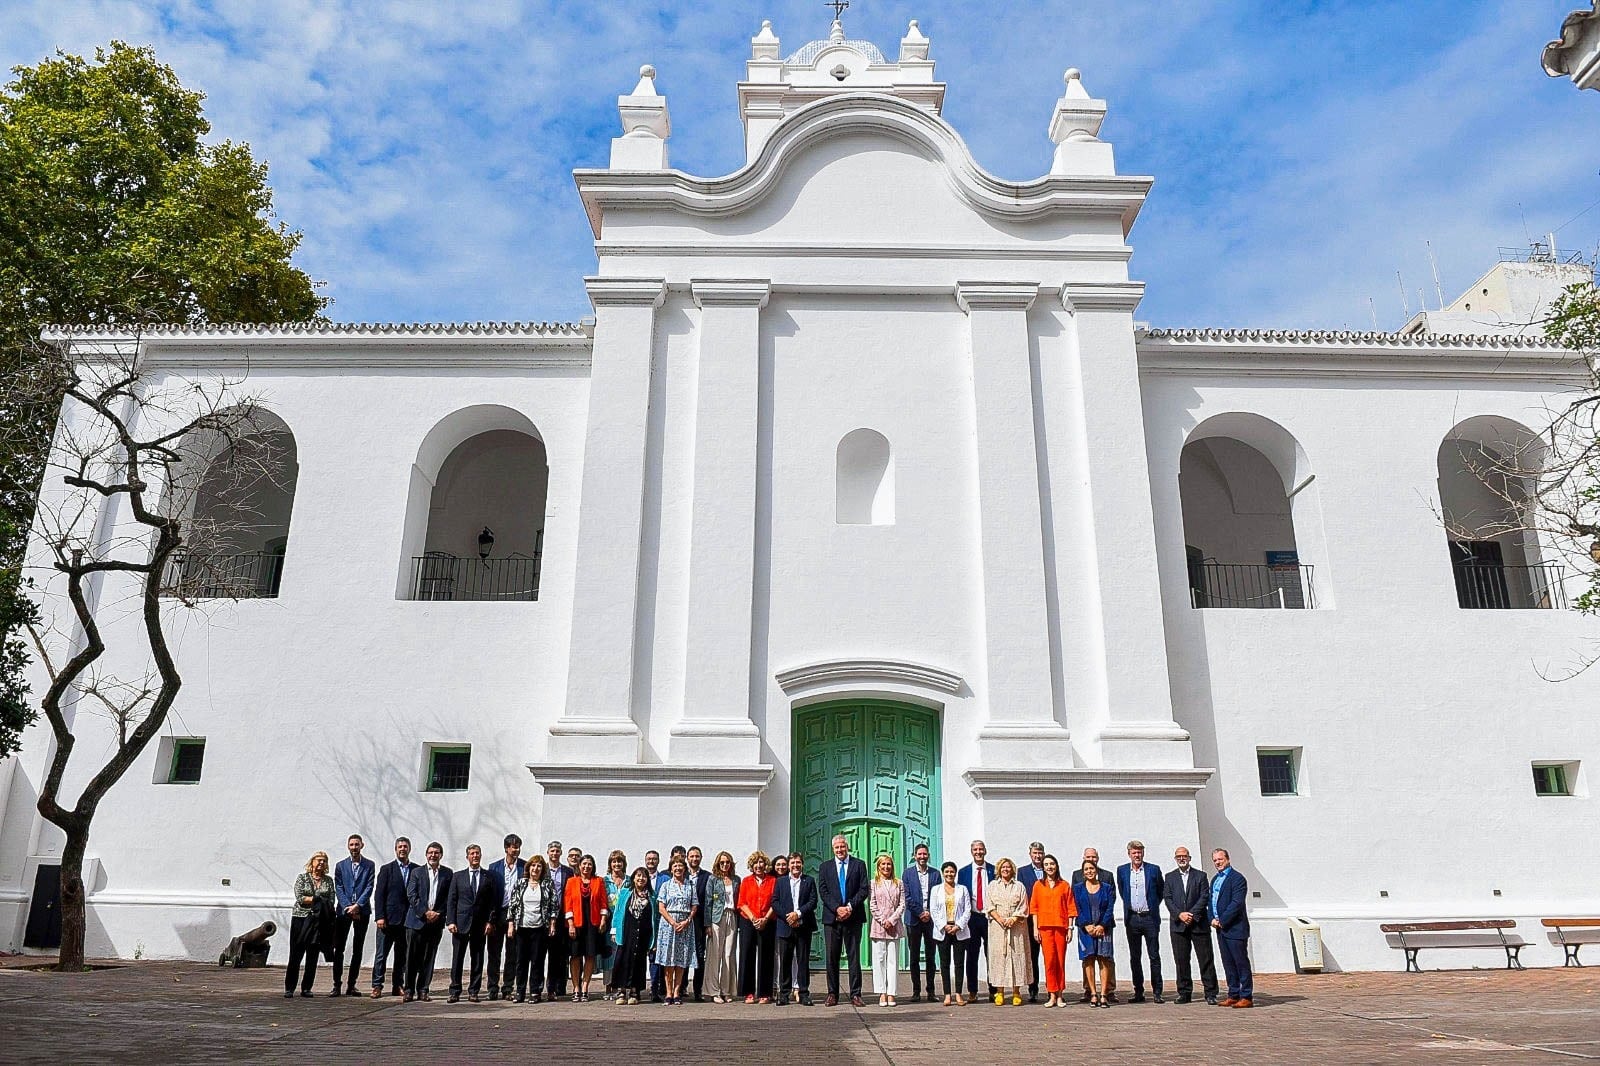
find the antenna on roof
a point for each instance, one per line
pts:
(1405, 301)
(1434, 263)
(1373, 307)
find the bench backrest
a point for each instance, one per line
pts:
(1571, 923)
(1447, 927)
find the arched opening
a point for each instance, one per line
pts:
(475, 518)
(1252, 528)
(234, 491)
(1487, 469)
(864, 479)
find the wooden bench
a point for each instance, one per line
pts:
(1561, 925)
(1512, 948)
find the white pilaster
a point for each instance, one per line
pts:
(1021, 729)
(597, 725)
(716, 728)
(1137, 727)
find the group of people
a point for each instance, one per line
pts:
(550, 923)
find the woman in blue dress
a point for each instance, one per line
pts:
(1096, 919)
(675, 931)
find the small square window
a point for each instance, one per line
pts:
(449, 768)
(1554, 779)
(1279, 769)
(187, 757)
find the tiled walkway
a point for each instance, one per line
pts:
(183, 1012)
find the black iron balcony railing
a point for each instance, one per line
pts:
(440, 576)
(207, 576)
(1502, 587)
(1257, 585)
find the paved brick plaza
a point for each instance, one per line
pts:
(183, 1012)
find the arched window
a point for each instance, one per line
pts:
(234, 492)
(475, 519)
(864, 480)
(1250, 519)
(1487, 467)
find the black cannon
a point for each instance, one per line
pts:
(249, 949)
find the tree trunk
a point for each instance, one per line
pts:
(74, 910)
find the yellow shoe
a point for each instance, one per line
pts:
(1016, 1000)
(999, 998)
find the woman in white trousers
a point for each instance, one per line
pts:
(886, 898)
(722, 930)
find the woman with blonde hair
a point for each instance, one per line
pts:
(722, 929)
(311, 917)
(758, 936)
(886, 898)
(1010, 950)
(532, 917)
(616, 880)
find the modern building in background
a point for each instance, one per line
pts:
(865, 504)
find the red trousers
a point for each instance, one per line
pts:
(1053, 943)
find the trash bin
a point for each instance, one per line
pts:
(1306, 936)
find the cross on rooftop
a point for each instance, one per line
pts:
(839, 8)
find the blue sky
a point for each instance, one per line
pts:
(1303, 150)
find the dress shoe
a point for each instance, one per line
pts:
(425, 996)
(1158, 998)
(1182, 999)
(335, 991)
(455, 997)
(405, 997)
(831, 1001)
(1230, 1001)
(349, 990)
(1085, 998)
(377, 993)
(1211, 1001)
(1111, 997)
(536, 998)
(305, 993)
(916, 997)
(494, 995)
(474, 999)
(699, 998)
(855, 1001)
(288, 995)
(781, 1001)
(522, 997)
(805, 999)
(1138, 997)
(1242, 1003)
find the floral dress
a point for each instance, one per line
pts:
(672, 947)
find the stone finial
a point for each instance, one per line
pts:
(646, 125)
(764, 45)
(1075, 129)
(836, 32)
(914, 45)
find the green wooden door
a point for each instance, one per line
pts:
(868, 770)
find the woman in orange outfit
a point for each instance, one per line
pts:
(1052, 909)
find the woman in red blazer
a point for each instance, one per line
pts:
(588, 922)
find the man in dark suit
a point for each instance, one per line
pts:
(500, 936)
(1188, 898)
(1030, 875)
(1093, 855)
(918, 879)
(1140, 885)
(474, 897)
(794, 901)
(389, 914)
(701, 880)
(559, 946)
(426, 895)
(975, 877)
(1229, 918)
(842, 892)
(352, 892)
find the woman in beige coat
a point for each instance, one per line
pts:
(1009, 948)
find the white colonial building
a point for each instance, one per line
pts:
(864, 503)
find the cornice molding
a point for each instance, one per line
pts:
(995, 295)
(748, 292)
(845, 113)
(313, 330)
(1115, 296)
(862, 250)
(676, 780)
(1085, 781)
(625, 292)
(868, 672)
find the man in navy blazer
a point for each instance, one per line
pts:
(499, 936)
(794, 901)
(558, 947)
(1230, 919)
(1030, 875)
(842, 892)
(352, 893)
(975, 877)
(1140, 885)
(474, 897)
(389, 907)
(701, 880)
(426, 895)
(919, 879)
(1188, 898)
